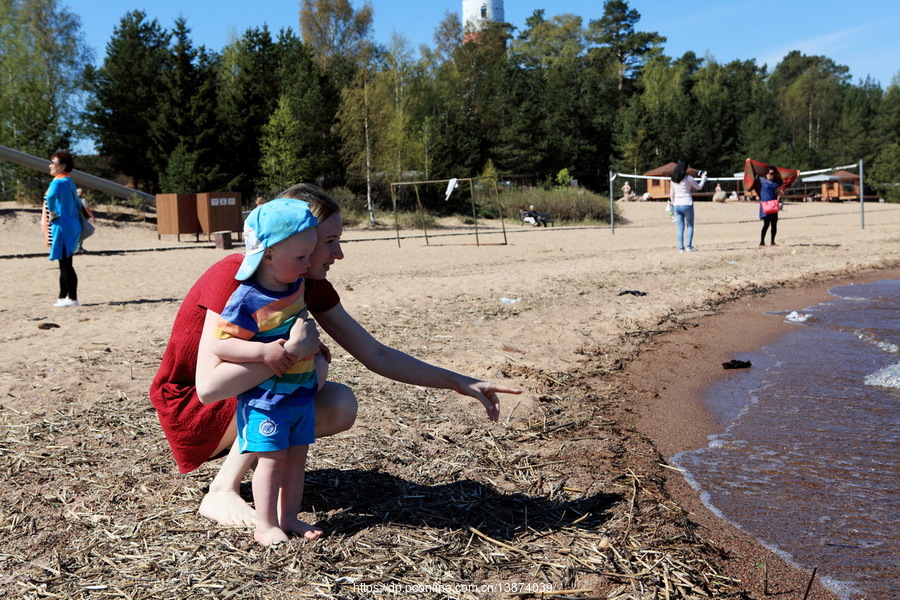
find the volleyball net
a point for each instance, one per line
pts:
(828, 184)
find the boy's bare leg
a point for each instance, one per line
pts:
(223, 503)
(268, 478)
(292, 495)
(336, 410)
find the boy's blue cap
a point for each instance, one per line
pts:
(268, 224)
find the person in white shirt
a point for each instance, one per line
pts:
(680, 191)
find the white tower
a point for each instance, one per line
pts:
(476, 12)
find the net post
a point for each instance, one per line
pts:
(474, 210)
(862, 197)
(612, 203)
(421, 213)
(499, 208)
(396, 220)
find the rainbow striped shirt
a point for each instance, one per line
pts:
(255, 313)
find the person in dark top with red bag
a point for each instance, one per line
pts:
(769, 204)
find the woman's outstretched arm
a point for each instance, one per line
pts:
(399, 366)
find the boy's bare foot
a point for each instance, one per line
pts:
(270, 536)
(228, 509)
(302, 528)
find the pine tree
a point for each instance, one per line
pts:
(125, 103)
(248, 87)
(282, 161)
(185, 126)
(615, 32)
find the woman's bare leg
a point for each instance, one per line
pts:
(223, 503)
(336, 409)
(321, 370)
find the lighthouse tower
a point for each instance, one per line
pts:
(475, 13)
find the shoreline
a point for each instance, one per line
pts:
(671, 411)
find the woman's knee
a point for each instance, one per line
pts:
(336, 409)
(227, 439)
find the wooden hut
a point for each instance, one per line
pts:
(846, 187)
(840, 185)
(659, 188)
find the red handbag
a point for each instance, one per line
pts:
(769, 207)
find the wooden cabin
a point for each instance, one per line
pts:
(838, 186)
(659, 188)
(846, 186)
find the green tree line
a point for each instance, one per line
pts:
(333, 107)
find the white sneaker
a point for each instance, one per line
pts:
(66, 302)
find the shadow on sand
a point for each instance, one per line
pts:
(364, 499)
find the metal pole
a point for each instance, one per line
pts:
(862, 197)
(396, 221)
(474, 210)
(612, 205)
(421, 213)
(80, 178)
(499, 210)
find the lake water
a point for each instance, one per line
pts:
(809, 462)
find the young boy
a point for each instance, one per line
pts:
(276, 419)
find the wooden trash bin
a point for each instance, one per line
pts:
(220, 211)
(176, 214)
(223, 240)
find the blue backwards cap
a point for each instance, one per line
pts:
(268, 224)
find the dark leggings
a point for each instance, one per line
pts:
(68, 279)
(769, 220)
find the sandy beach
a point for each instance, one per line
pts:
(569, 493)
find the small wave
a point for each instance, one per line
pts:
(845, 590)
(888, 377)
(842, 589)
(721, 441)
(880, 344)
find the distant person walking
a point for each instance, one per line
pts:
(680, 194)
(61, 217)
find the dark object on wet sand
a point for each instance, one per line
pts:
(737, 364)
(632, 292)
(47, 325)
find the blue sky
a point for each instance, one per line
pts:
(862, 35)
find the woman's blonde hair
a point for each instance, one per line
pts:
(321, 205)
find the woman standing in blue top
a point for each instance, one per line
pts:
(63, 207)
(768, 190)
